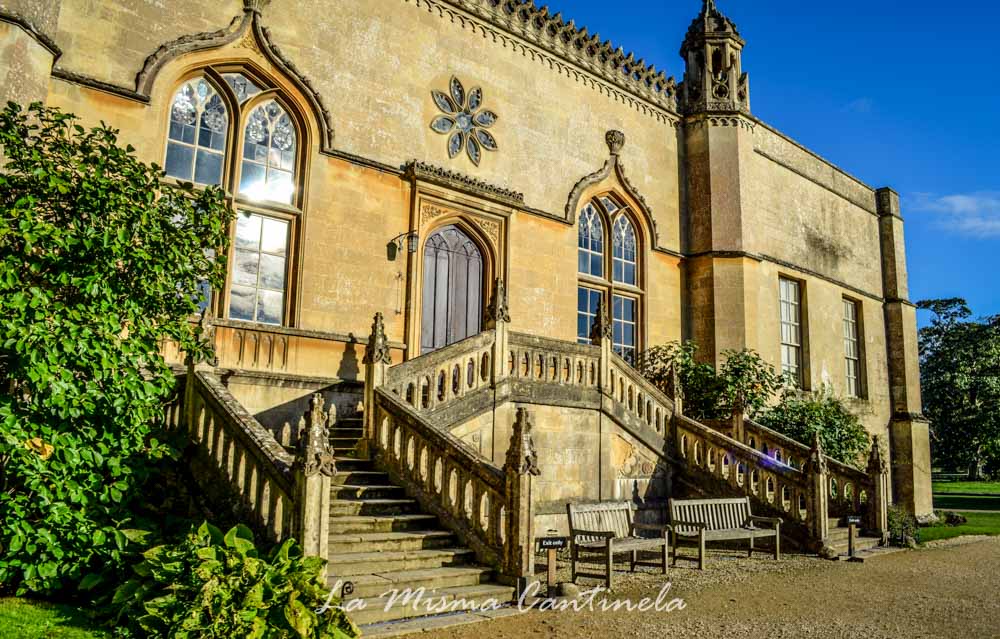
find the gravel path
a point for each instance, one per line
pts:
(949, 590)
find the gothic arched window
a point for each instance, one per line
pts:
(235, 129)
(199, 124)
(621, 292)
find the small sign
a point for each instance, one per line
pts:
(553, 543)
(852, 519)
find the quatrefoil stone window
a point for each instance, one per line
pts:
(465, 121)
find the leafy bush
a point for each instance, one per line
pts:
(902, 526)
(744, 382)
(216, 586)
(700, 386)
(840, 432)
(748, 382)
(99, 262)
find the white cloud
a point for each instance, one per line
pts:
(974, 214)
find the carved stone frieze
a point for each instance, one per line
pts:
(416, 170)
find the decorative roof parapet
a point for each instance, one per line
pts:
(416, 169)
(536, 25)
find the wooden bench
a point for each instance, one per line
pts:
(707, 520)
(608, 529)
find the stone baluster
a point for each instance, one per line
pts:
(498, 319)
(878, 501)
(377, 359)
(600, 335)
(818, 496)
(520, 467)
(314, 469)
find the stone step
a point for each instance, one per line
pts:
(348, 443)
(345, 432)
(374, 524)
(377, 585)
(351, 507)
(348, 543)
(860, 545)
(360, 478)
(366, 491)
(378, 610)
(366, 563)
(346, 464)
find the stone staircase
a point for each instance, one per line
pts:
(839, 542)
(380, 541)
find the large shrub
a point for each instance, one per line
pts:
(800, 416)
(215, 586)
(699, 385)
(744, 382)
(99, 262)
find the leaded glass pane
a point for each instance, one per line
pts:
(587, 302)
(242, 86)
(197, 109)
(259, 269)
(624, 251)
(590, 242)
(624, 327)
(269, 150)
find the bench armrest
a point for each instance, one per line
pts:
(776, 521)
(604, 534)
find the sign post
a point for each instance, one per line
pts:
(551, 544)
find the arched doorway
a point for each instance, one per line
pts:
(452, 289)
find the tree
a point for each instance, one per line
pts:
(100, 262)
(960, 380)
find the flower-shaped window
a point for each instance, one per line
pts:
(465, 122)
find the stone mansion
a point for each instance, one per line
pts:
(522, 207)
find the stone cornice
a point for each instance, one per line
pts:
(565, 48)
(39, 37)
(416, 170)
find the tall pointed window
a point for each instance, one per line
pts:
(231, 128)
(613, 276)
(199, 124)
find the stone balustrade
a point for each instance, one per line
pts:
(437, 379)
(489, 508)
(744, 469)
(638, 398)
(543, 359)
(282, 494)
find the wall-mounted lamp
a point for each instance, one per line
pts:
(396, 244)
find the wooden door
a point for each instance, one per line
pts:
(452, 289)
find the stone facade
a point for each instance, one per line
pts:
(722, 204)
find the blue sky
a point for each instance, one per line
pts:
(900, 94)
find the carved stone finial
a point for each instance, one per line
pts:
(615, 140)
(522, 457)
(876, 461)
(817, 459)
(601, 329)
(257, 6)
(205, 334)
(377, 350)
(314, 455)
(498, 310)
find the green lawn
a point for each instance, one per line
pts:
(27, 619)
(978, 524)
(986, 487)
